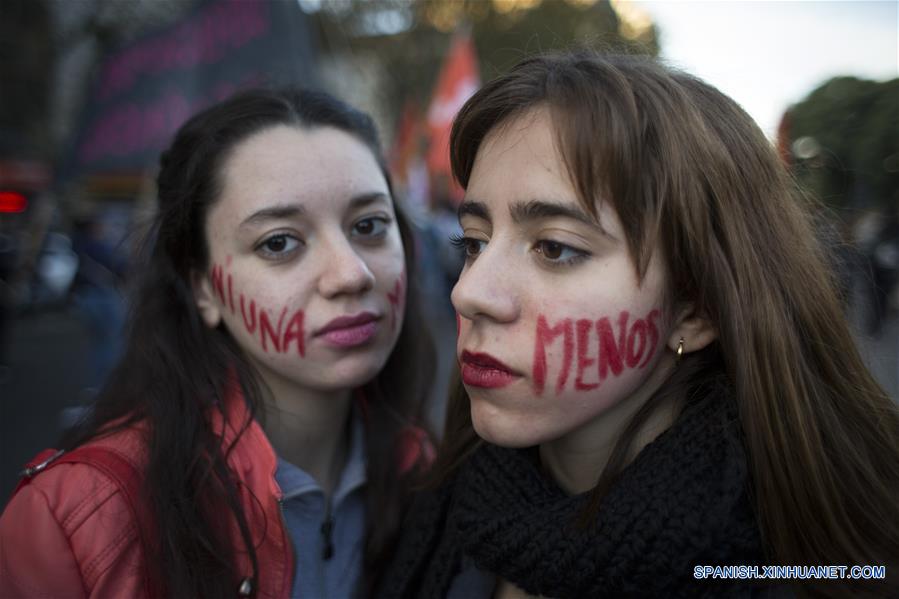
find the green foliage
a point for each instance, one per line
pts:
(504, 32)
(876, 156)
(853, 160)
(504, 39)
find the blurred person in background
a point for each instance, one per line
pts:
(656, 373)
(884, 257)
(102, 267)
(257, 435)
(7, 267)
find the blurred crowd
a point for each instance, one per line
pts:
(876, 280)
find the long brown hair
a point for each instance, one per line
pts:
(689, 172)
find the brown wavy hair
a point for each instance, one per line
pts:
(689, 172)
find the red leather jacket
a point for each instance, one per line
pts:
(70, 532)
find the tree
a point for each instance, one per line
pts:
(844, 138)
(411, 39)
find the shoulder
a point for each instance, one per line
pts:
(72, 519)
(74, 485)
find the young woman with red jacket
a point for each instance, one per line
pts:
(256, 438)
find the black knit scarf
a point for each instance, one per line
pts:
(683, 502)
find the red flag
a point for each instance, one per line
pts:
(458, 80)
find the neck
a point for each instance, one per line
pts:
(577, 459)
(308, 428)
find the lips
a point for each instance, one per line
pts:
(349, 331)
(483, 370)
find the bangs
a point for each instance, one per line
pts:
(604, 136)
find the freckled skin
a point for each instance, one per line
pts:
(583, 335)
(273, 307)
(279, 338)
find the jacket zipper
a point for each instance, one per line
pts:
(327, 530)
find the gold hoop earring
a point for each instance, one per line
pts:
(680, 348)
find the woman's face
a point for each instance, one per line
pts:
(555, 328)
(307, 270)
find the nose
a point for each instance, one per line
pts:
(344, 271)
(486, 289)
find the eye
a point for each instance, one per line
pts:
(371, 227)
(559, 253)
(278, 245)
(469, 246)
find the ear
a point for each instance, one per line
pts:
(694, 328)
(205, 299)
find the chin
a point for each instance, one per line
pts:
(355, 373)
(501, 430)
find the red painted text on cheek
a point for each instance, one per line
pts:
(545, 336)
(280, 336)
(595, 349)
(397, 299)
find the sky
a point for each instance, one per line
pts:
(768, 55)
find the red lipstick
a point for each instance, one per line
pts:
(350, 331)
(483, 370)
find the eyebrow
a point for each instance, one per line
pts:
(273, 213)
(528, 211)
(282, 211)
(366, 199)
(523, 212)
(533, 210)
(473, 208)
